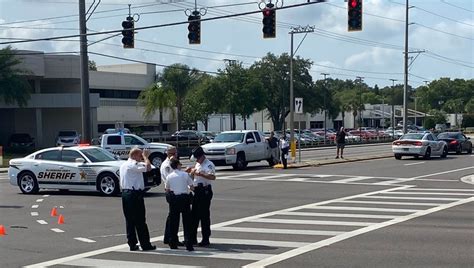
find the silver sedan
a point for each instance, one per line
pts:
(419, 144)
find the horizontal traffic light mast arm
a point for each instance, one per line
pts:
(159, 25)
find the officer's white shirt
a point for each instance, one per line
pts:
(207, 167)
(165, 169)
(131, 175)
(284, 144)
(178, 181)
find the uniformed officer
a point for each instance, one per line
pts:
(177, 188)
(203, 173)
(165, 170)
(133, 204)
(284, 147)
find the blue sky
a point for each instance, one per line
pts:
(443, 28)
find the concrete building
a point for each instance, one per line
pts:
(55, 102)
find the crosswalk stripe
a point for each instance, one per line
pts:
(414, 198)
(424, 193)
(338, 215)
(41, 222)
(205, 253)
(34, 206)
(310, 222)
(89, 262)
(277, 231)
(322, 176)
(230, 175)
(269, 243)
(366, 209)
(279, 176)
(34, 214)
(82, 239)
(57, 230)
(359, 178)
(390, 203)
(299, 179)
(437, 189)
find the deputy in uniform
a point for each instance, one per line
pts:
(165, 170)
(177, 188)
(203, 173)
(284, 147)
(133, 204)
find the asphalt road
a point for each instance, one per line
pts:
(379, 213)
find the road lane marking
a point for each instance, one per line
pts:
(82, 239)
(34, 214)
(267, 243)
(214, 226)
(412, 164)
(425, 193)
(365, 209)
(46, 195)
(468, 179)
(57, 230)
(359, 178)
(311, 222)
(391, 203)
(204, 253)
(279, 177)
(298, 251)
(299, 179)
(41, 221)
(34, 206)
(414, 198)
(438, 189)
(39, 200)
(339, 215)
(276, 231)
(400, 180)
(87, 262)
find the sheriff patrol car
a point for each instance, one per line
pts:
(73, 168)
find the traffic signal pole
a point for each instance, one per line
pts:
(85, 101)
(405, 86)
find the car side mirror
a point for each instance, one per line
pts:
(468, 138)
(80, 160)
(250, 140)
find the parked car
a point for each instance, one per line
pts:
(457, 142)
(419, 144)
(183, 135)
(21, 142)
(68, 138)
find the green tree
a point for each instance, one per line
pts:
(180, 79)
(469, 107)
(156, 98)
(435, 117)
(92, 65)
(454, 106)
(273, 72)
(14, 86)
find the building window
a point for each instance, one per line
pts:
(116, 94)
(316, 124)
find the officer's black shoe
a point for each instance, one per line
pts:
(148, 248)
(189, 248)
(180, 244)
(204, 243)
(134, 248)
(173, 246)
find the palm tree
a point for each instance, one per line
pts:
(14, 86)
(154, 98)
(180, 79)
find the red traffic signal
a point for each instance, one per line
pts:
(354, 13)
(269, 21)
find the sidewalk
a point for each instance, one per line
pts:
(3, 170)
(324, 162)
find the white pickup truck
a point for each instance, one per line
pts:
(121, 144)
(238, 148)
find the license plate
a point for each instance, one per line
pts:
(406, 149)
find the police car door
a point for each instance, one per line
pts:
(251, 152)
(261, 146)
(72, 178)
(115, 145)
(45, 167)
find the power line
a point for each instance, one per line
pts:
(453, 5)
(444, 17)
(448, 33)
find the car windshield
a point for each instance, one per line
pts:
(413, 136)
(229, 137)
(98, 155)
(67, 133)
(447, 135)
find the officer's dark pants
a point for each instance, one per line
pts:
(284, 153)
(133, 206)
(201, 212)
(179, 205)
(166, 238)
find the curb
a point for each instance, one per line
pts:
(346, 160)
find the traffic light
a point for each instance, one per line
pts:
(194, 28)
(354, 15)
(269, 21)
(128, 33)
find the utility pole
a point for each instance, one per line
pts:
(85, 101)
(393, 107)
(405, 86)
(229, 64)
(325, 108)
(359, 78)
(294, 30)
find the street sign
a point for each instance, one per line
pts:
(299, 105)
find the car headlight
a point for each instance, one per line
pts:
(230, 151)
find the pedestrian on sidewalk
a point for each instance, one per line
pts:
(284, 147)
(204, 173)
(273, 144)
(133, 203)
(340, 142)
(177, 186)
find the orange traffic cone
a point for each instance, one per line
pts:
(2, 230)
(54, 212)
(61, 219)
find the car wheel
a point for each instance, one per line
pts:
(28, 183)
(417, 156)
(108, 184)
(459, 149)
(240, 163)
(157, 159)
(398, 156)
(469, 151)
(445, 152)
(427, 153)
